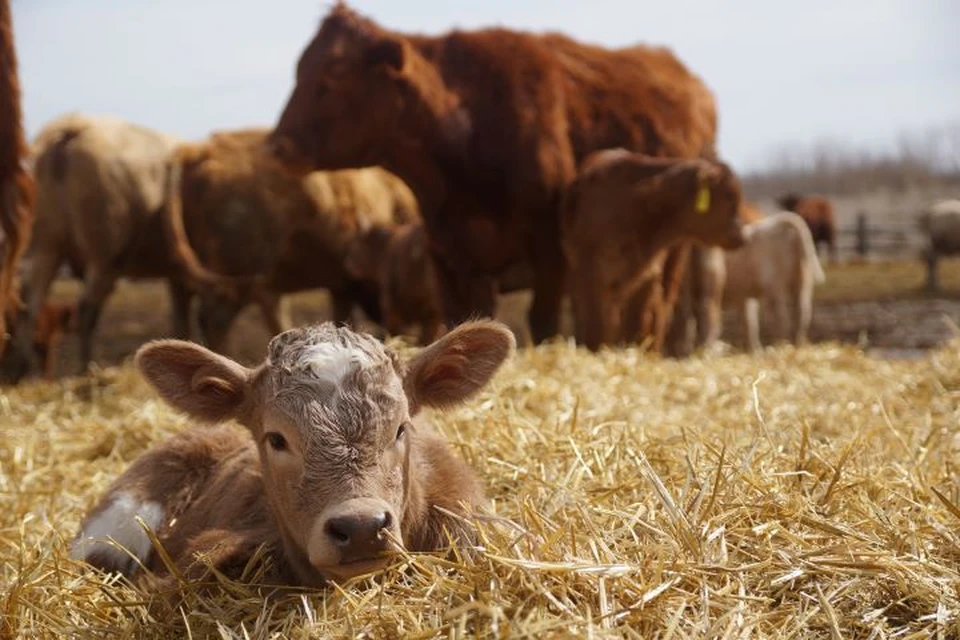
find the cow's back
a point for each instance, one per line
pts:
(100, 185)
(244, 214)
(642, 98)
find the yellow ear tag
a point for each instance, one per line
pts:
(703, 200)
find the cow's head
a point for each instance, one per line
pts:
(331, 413)
(362, 93)
(367, 251)
(789, 201)
(710, 206)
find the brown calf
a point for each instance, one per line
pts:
(16, 184)
(487, 127)
(817, 212)
(397, 260)
(624, 212)
(337, 469)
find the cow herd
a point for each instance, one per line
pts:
(415, 178)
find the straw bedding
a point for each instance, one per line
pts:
(799, 493)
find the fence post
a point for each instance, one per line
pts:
(863, 236)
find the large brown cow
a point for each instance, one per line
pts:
(622, 215)
(488, 128)
(16, 185)
(237, 219)
(100, 185)
(817, 212)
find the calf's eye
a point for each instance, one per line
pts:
(402, 429)
(276, 441)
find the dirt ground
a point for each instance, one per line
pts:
(879, 306)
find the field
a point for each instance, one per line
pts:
(797, 493)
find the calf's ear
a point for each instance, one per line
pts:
(194, 380)
(457, 365)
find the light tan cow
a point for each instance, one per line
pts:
(777, 265)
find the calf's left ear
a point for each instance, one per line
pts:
(457, 365)
(193, 379)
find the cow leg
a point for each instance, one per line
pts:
(98, 286)
(342, 306)
(215, 316)
(20, 358)
(781, 313)
(180, 298)
(549, 285)
(640, 313)
(933, 283)
(751, 324)
(804, 312)
(275, 311)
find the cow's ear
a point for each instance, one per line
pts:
(457, 365)
(388, 52)
(192, 379)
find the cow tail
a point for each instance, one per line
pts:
(184, 257)
(809, 248)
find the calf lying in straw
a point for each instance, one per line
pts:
(337, 471)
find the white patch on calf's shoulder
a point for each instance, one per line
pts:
(331, 362)
(116, 527)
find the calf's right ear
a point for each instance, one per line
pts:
(457, 365)
(194, 380)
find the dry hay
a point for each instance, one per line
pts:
(800, 493)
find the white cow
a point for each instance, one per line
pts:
(941, 224)
(777, 265)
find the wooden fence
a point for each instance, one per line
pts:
(866, 239)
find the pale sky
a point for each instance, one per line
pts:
(859, 71)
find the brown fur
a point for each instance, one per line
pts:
(16, 185)
(99, 189)
(238, 221)
(319, 450)
(817, 212)
(488, 128)
(623, 215)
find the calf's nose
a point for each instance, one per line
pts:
(359, 536)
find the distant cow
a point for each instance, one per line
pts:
(488, 127)
(777, 266)
(100, 185)
(235, 218)
(817, 212)
(623, 214)
(16, 185)
(941, 224)
(339, 467)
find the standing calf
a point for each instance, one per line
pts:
(778, 264)
(335, 469)
(623, 214)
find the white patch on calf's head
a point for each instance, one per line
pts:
(114, 529)
(331, 362)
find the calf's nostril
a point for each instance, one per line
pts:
(339, 531)
(384, 520)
